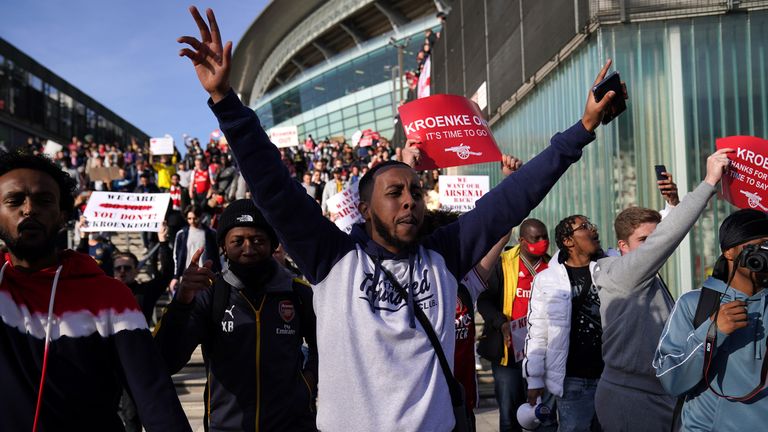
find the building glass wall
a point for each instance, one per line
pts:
(352, 78)
(689, 81)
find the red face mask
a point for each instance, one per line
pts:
(539, 248)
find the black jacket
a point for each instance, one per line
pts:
(253, 356)
(147, 293)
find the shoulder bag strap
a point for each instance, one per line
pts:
(453, 385)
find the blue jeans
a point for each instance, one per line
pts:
(509, 386)
(576, 408)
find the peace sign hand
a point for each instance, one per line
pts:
(195, 279)
(210, 58)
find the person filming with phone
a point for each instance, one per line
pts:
(712, 352)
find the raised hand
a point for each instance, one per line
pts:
(593, 112)
(668, 190)
(195, 279)
(211, 58)
(510, 164)
(717, 162)
(162, 235)
(411, 153)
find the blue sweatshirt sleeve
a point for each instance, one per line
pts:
(466, 241)
(679, 358)
(313, 241)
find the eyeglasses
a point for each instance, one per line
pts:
(589, 226)
(123, 268)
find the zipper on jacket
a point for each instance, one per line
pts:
(309, 389)
(257, 316)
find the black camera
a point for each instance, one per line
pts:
(755, 257)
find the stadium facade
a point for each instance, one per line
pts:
(695, 71)
(330, 67)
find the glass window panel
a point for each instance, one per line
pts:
(336, 126)
(350, 111)
(334, 116)
(366, 117)
(365, 105)
(321, 121)
(384, 112)
(383, 100)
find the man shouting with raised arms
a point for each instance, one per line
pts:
(369, 284)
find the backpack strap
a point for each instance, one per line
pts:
(709, 302)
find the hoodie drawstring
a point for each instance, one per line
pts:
(376, 276)
(411, 305)
(47, 340)
(758, 346)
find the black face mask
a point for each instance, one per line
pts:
(254, 275)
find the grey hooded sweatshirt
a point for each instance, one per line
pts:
(635, 302)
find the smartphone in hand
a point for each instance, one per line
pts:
(660, 170)
(618, 104)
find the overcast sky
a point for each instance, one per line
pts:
(124, 54)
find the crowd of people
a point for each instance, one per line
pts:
(371, 330)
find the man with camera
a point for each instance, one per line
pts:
(712, 352)
(634, 304)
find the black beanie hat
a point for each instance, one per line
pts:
(741, 227)
(243, 213)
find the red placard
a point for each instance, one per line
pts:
(745, 182)
(452, 131)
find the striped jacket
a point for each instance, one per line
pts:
(99, 343)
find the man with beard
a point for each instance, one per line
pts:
(253, 310)
(562, 350)
(367, 329)
(72, 336)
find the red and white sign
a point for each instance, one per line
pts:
(519, 331)
(745, 182)
(287, 136)
(125, 212)
(459, 193)
(425, 81)
(161, 146)
(343, 209)
(452, 132)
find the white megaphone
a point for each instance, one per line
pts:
(530, 417)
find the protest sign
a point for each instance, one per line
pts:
(105, 174)
(343, 207)
(287, 136)
(519, 330)
(452, 132)
(125, 212)
(161, 146)
(745, 182)
(51, 148)
(459, 193)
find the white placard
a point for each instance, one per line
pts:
(519, 330)
(51, 148)
(286, 136)
(343, 207)
(481, 96)
(161, 146)
(125, 212)
(459, 193)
